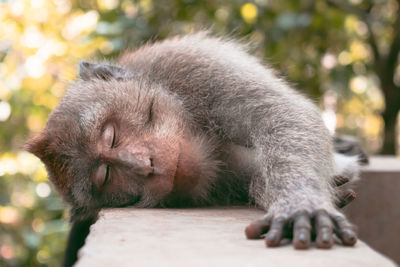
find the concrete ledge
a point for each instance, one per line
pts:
(201, 237)
(376, 211)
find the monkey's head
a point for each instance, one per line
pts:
(116, 139)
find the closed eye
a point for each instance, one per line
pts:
(150, 116)
(109, 135)
(107, 174)
(101, 176)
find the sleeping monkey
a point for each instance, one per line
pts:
(196, 120)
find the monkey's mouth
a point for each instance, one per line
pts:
(186, 172)
(178, 162)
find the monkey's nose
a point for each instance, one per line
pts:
(139, 163)
(144, 168)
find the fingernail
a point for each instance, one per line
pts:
(302, 237)
(350, 237)
(349, 197)
(325, 238)
(272, 236)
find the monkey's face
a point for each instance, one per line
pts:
(113, 142)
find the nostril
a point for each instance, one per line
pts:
(144, 171)
(139, 164)
(151, 173)
(151, 163)
(147, 168)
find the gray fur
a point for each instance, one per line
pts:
(256, 138)
(347, 166)
(233, 94)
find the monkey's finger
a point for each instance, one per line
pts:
(301, 230)
(258, 228)
(274, 235)
(345, 231)
(340, 180)
(324, 227)
(345, 198)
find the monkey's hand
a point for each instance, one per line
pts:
(302, 227)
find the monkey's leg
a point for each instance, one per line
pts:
(343, 196)
(349, 145)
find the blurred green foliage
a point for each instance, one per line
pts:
(340, 49)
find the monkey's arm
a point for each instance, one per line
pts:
(226, 90)
(293, 177)
(76, 239)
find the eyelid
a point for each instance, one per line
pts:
(113, 139)
(101, 176)
(109, 135)
(107, 174)
(150, 118)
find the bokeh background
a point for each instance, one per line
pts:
(343, 54)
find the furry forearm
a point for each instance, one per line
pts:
(294, 153)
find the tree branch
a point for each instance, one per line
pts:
(395, 46)
(348, 8)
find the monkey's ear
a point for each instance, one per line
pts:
(37, 145)
(88, 71)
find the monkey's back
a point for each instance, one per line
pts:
(197, 63)
(206, 71)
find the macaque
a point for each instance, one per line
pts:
(192, 121)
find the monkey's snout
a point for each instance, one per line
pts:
(142, 167)
(140, 164)
(145, 169)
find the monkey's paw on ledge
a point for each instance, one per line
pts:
(201, 237)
